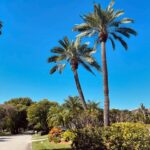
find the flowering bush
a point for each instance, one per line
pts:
(126, 136)
(55, 135)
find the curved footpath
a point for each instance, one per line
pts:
(16, 142)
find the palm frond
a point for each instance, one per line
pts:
(111, 4)
(128, 30)
(63, 44)
(126, 34)
(56, 58)
(124, 44)
(123, 21)
(57, 50)
(66, 40)
(54, 69)
(58, 67)
(126, 20)
(86, 66)
(96, 65)
(81, 27)
(89, 51)
(118, 13)
(91, 60)
(77, 42)
(82, 34)
(61, 67)
(112, 42)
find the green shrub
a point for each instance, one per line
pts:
(88, 139)
(56, 139)
(68, 136)
(119, 136)
(126, 136)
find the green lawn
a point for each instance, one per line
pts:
(46, 145)
(38, 136)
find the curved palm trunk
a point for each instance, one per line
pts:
(105, 81)
(79, 89)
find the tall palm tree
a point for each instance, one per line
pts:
(74, 53)
(105, 24)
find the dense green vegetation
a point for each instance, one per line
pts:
(20, 114)
(119, 136)
(13, 115)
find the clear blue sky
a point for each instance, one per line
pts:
(32, 28)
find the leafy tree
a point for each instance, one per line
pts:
(74, 53)
(10, 118)
(17, 101)
(105, 24)
(21, 105)
(37, 114)
(2, 117)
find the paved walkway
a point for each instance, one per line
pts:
(16, 142)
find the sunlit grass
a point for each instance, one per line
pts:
(38, 136)
(46, 145)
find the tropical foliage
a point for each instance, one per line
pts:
(119, 136)
(37, 115)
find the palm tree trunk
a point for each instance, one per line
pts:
(79, 89)
(105, 82)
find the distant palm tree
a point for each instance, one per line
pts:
(73, 104)
(74, 53)
(1, 25)
(105, 24)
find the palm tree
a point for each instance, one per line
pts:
(73, 104)
(74, 53)
(104, 24)
(58, 116)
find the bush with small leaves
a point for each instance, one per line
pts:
(68, 136)
(126, 136)
(88, 138)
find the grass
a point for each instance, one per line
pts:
(46, 145)
(38, 136)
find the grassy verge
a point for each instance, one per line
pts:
(46, 145)
(37, 136)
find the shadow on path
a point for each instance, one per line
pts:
(4, 139)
